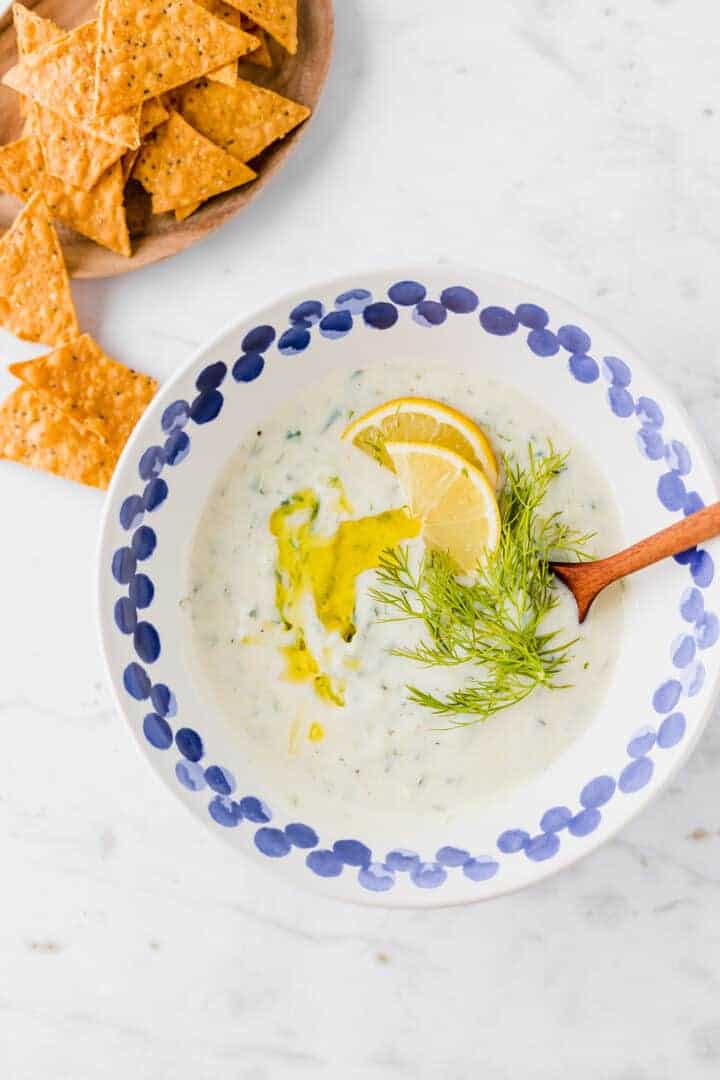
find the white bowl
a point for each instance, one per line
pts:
(640, 438)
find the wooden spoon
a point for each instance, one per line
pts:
(586, 580)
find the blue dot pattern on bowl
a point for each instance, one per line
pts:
(307, 313)
(301, 836)
(175, 417)
(459, 300)
(189, 744)
(141, 591)
(272, 842)
(499, 320)
(294, 341)
(190, 775)
(259, 339)
(248, 367)
(381, 316)
(225, 811)
(380, 873)
(206, 407)
(153, 460)
(155, 493)
(132, 512)
(157, 731)
(255, 809)
(163, 700)
(532, 316)
(336, 324)
(125, 614)
(220, 780)
(543, 342)
(176, 448)
(212, 376)
(407, 293)
(143, 543)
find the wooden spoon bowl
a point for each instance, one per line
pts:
(155, 237)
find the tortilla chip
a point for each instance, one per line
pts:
(227, 74)
(182, 212)
(152, 114)
(260, 57)
(178, 165)
(146, 47)
(123, 128)
(34, 431)
(98, 214)
(128, 164)
(32, 32)
(62, 75)
(35, 299)
(242, 119)
(278, 17)
(70, 152)
(73, 155)
(99, 393)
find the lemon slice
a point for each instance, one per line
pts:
(454, 499)
(420, 420)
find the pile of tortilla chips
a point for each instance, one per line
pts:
(75, 407)
(148, 90)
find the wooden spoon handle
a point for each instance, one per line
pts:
(702, 525)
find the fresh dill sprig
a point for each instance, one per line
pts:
(493, 621)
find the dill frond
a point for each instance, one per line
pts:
(493, 621)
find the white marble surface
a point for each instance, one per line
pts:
(573, 143)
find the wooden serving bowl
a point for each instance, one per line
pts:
(155, 237)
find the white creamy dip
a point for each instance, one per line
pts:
(379, 749)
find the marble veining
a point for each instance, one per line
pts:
(573, 144)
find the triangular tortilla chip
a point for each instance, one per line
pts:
(73, 155)
(123, 128)
(35, 298)
(178, 165)
(34, 431)
(227, 74)
(278, 17)
(99, 393)
(32, 32)
(231, 15)
(242, 119)
(152, 114)
(98, 214)
(70, 152)
(128, 164)
(182, 212)
(62, 76)
(261, 56)
(146, 47)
